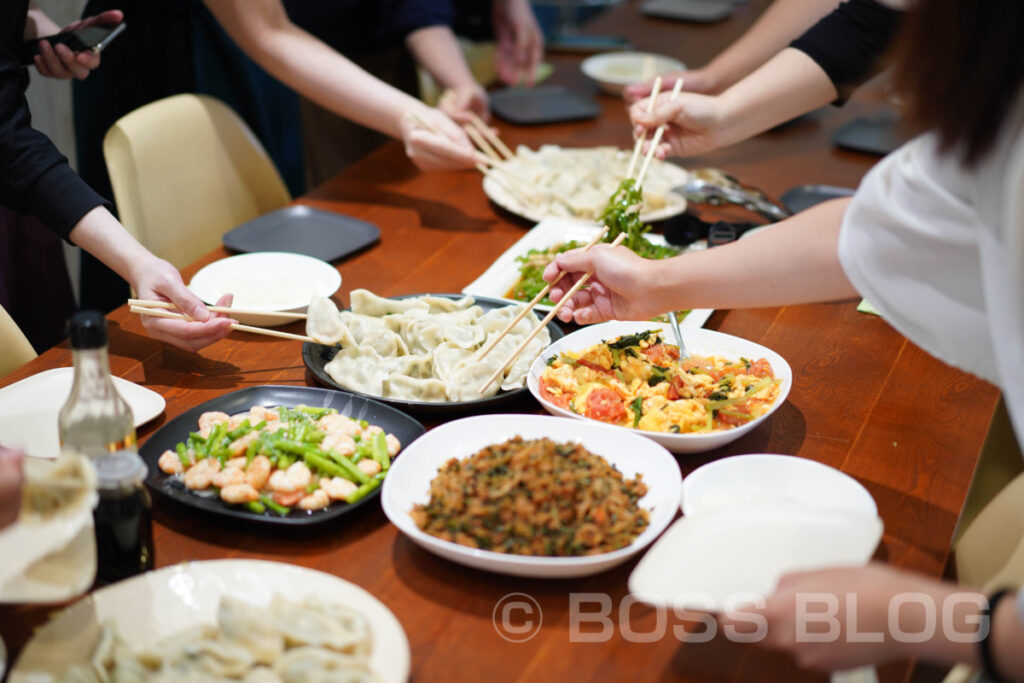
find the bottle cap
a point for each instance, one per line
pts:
(87, 330)
(119, 470)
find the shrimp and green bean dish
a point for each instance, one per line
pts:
(271, 460)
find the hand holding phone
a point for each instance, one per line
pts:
(74, 51)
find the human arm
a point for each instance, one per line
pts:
(796, 261)
(59, 61)
(520, 41)
(436, 49)
(307, 65)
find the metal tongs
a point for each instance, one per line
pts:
(712, 186)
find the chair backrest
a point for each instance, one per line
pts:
(185, 170)
(15, 350)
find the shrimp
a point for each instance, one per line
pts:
(239, 445)
(295, 478)
(370, 467)
(339, 442)
(289, 499)
(200, 475)
(371, 430)
(394, 445)
(236, 462)
(335, 422)
(259, 414)
(258, 471)
(314, 501)
(208, 421)
(229, 476)
(338, 488)
(236, 420)
(239, 493)
(170, 463)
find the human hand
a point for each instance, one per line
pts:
(11, 479)
(158, 279)
(59, 61)
(694, 123)
(699, 81)
(434, 142)
(459, 102)
(520, 41)
(619, 288)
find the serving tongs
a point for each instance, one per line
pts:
(712, 186)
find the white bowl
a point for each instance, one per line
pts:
(699, 342)
(613, 71)
(742, 482)
(408, 483)
(271, 281)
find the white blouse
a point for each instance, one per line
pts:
(939, 250)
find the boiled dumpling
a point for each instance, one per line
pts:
(324, 324)
(515, 376)
(366, 302)
(358, 368)
(412, 389)
(213, 657)
(310, 623)
(420, 367)
(440, 304)
(314, 665)
(448, 357)
(247, 626)
(466, 382)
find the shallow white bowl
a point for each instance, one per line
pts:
(613, 71)
(781, 482)
(271, 281)
(699, 342)
(408, 483)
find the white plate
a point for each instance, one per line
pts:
(613, 71)
(266, 281)
(155, 605)
(408, 483)
(705, 561)
(29, 408)
(503, 274)
(675, 175)
(699, 342)
(781, 482)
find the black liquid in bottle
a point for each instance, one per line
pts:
(123, 517)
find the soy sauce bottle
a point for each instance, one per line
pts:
(123, 517)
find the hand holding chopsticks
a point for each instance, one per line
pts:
(656, 140)
(163, 312)
(154, 303)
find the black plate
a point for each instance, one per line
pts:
(303, 230)
(390, 420)
(316, 356)
(544, 104)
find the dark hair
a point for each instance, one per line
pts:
(960, 64)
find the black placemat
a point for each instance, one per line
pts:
(303, 230)
(546, 104)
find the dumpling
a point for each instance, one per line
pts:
(515, 377)
(439, 304)
(314, 665)
(366, 302)
(213, 657)
(324, 324)
(373, 332)
(359, 368)
(420, 367)
(448, 357)
(412, 389)
(466, 382)
(423, 335)
(310, 623)
(248, 626)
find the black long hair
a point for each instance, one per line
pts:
(960, 65)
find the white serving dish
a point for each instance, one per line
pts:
(501, 275)
(271, 281)
(29, 408)
(408, 483)
(158, 604)
(699, 342)
(613, 71)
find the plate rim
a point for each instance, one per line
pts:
(324, 266)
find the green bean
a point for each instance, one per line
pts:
(183, 455)
(379, 451)
(335, 465)
(240, 431)
(275, 506)
(256, 506)
(363, 490)
(315, 412)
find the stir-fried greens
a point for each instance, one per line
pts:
(622, 215)
(534, 497)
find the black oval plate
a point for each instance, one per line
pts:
(390, 420)
(316, 356)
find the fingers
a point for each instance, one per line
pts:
(190, 336)
(112, 16)
(59, 61)
(431, 152)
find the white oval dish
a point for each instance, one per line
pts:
(155, 605)
(408, 483)
(699, 342)
(613, 71)
(271, 281)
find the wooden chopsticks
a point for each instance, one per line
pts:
(164, 313)
(543, 323)
(153, 303)
(656, 140)
(640, 140)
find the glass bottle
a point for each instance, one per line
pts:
(123, 517)
(95, 419)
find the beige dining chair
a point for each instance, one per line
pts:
(15, 349)
(185, 170)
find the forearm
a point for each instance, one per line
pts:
(783, 21)
(38, 24)
(100, 234)
(436, 49)
(794, 262)
(789, 85)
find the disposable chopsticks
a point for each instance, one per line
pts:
(154, 303)
(164, 313)
(656, 140)
(640, 140)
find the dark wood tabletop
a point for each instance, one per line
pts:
(864, 400)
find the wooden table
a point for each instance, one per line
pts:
(864, 400)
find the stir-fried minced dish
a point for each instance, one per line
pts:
(639, 381)
(534, 497)
(271, 460)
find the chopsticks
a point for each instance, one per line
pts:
(153, 303)
(529, 307)
(543, 323)
(640, 140)
(164, 313)
(489, 133)
(657, 135)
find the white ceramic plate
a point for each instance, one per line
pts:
(676, 203)
(780, 482)
(408, 483)
(503, 274)
(266, 281)
(613, 71)
(29, 408)
(699, 342)
(155, 605)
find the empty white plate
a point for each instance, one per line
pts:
(29, 408)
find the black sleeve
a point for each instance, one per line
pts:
(35, 178)
(406, 16)
(850, 42)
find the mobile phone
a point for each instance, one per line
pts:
(90, 38)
